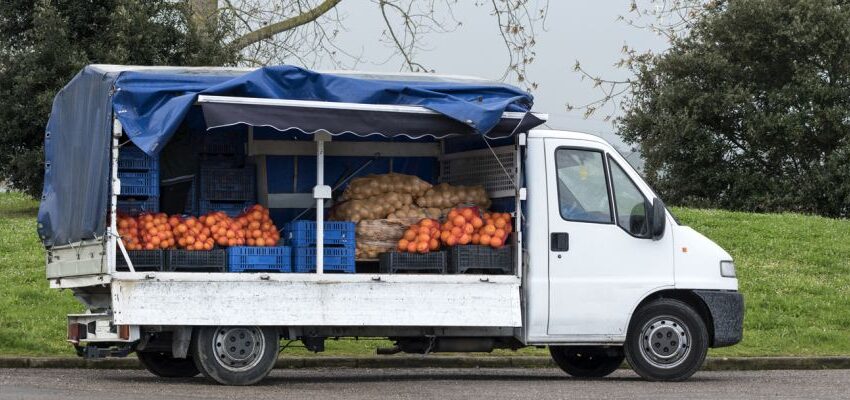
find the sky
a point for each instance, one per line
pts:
(587, 31)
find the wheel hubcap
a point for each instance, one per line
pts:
(665, 342)
(238, 348)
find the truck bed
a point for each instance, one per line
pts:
(174, 298)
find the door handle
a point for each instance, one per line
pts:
(560, 241)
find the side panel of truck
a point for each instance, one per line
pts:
(314, 300)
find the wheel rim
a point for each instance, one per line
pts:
(238, 348)
(665, 342)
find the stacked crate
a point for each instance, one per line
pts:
(139, 175)
(338, 246)
(224, 182)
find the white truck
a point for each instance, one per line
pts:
(604, 271)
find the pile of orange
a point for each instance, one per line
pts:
(495, 231)
(154, 231)
(128, 229)
(421, 237)
(460, 226)
(257, 227)
(159, 231)
(195, 234)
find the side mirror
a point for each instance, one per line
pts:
(657, 219)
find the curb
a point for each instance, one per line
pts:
(711, 364)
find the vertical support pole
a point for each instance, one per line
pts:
(112, 232)
(320, 193)
(520, 196)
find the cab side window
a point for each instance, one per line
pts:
(582, 186)
(632, 210)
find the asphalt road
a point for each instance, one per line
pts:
(442, 384)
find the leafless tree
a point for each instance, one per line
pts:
(307, 32)
(671, 19)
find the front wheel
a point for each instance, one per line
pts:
(236, 355)
(667, 341)
(163, 365)
(587, 361)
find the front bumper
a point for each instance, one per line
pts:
(727, 315)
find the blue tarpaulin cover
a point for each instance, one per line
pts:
(151, 103)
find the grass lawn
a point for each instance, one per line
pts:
(794, 271)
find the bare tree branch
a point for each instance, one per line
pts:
(269, 31)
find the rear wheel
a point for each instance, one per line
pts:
(235, 355)
(162, 364)
(587, 361)
(667, 341)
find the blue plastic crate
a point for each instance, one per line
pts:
(234, 184)
(139, 183)
(131, 157)
(303, 233)
(232, 209)
(275, 259)
(337, 259)
(138, 205)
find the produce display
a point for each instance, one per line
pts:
(253, 227)
(446, 196)
(373, 185)
(421, 237)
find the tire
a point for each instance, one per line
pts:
(587, 361)
(163, 365)
(667, 341)
(249, 357)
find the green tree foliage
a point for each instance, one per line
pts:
(43, 44)
(750, 110)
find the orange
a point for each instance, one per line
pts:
(458, 221)
(410, 234)
(468, 229)
(500, 233)
(477, 222)
(488, 230)
(467, 213)
(422, 247)
(402, 244)
(451, 241)
(501, 222)
(496, 242)
(484, 240)
(465, 239)
(411, 247)
(434, 244)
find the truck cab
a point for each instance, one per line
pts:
(600, 271)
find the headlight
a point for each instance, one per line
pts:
(727, 269)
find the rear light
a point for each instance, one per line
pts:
(76, 332)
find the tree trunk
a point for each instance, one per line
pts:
(204, 16)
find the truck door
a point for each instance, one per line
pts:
(602, 259)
